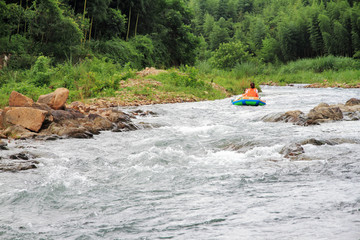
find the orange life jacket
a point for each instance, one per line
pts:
(251, 92)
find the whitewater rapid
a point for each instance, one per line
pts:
(204, 170)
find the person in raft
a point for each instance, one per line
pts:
(251, 92)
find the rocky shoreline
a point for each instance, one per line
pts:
(50, 118)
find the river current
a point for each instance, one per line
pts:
(204, 170)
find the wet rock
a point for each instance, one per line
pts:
(56, 100)
(124, 127)
(292, 150)
(19, 156)
(18, 100)
(317, 142)
(352, 102)
(29, 118)
(3, 145)
(17, 166)
(80, 134)
(116, 117)
(143, 113)
(296, 117)
(18, 162)
(18, 132)
(323, 112)
(69, 128)
(48, 137)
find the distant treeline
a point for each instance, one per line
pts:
(276, 30)
(177, 32)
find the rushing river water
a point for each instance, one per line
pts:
(205, 170)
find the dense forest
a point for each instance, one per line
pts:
(166, 33)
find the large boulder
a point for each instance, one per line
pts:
(18, 100)
(323, 113)
(29, 118)
(56, 100)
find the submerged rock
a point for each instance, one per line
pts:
(292, 150)
(3, 145)
(317, 142)
(18, 162)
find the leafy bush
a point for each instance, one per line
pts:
(230, 54)
(41, 72)
(119, 51)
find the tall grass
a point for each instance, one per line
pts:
(320, 64)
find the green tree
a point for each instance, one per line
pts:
(270, 50)
(55, 34)
(342, 40)
(230, 54)
(327, 33)
(257, 33)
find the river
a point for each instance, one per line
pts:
(204, 170)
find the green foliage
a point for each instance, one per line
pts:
(270, 50)
(119, 51)
(41, 72)
(230, 54)
(144, 45)
(189, 82)
(321, 64)
(54, 32)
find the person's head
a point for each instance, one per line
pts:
(252, 85)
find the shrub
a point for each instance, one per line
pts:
(41, 72)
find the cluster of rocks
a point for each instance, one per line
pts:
(350, 111)
(50, 118)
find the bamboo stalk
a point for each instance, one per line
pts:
(83, 22)
(128, 30)
(18, 29)
(91, 24)
(136, 25)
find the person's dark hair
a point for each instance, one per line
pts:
(252, 85)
